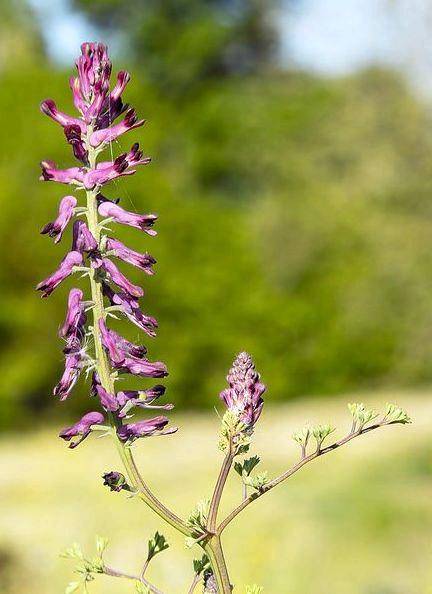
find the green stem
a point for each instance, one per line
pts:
(218, 564)
(218, 490)
(104, 370)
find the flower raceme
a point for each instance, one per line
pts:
(98, 348)
(243, 397)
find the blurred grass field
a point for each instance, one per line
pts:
(357, 521)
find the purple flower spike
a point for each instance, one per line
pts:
(147, 428)
(66, 267)
(82, 239)
(243, 397)
(119, 250)
(130, 307)
(119, 279)
(73, 366)
(107, 135)
(76, 318)
(82, 428)
(57, 227)
(119, 215)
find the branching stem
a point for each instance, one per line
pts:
(304, 460)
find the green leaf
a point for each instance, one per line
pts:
(395, 414)
(254, 589)
(156, 545)
(201, 565)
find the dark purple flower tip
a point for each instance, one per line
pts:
(114, 274)
(130, 307)
(74, 324)
(56, 228)
(107, 400)
(116, 481)
(244, 395)
(115, 212)
(82, 238)
(66, 267)
(119, 250)
(73, 365)
(73, 136)
(82, 428)
(147, 428)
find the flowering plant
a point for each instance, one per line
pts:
(94, 348)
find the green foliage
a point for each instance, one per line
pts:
(245, 468)
(297, 228)
(254, 589)
(156, 545)
(189, 42)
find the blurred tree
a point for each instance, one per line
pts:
(183, 43)
(20, 40)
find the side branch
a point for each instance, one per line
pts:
(120, 574)
(276, 481)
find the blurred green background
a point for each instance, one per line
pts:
(295, 223)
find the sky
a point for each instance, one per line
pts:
(330, 37)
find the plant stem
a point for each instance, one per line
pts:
(276, 481)
(120, 574)
(195, 582)
(103, 366)
(218, 564)
(218, 490)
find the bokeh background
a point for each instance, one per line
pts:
(292, 174)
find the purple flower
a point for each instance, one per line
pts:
(116, 481)
(82, 239)
(66, 267)
(146, 396)
(142, 367)
(74, 138)
(130, 307)
(129, 399)
(50, 109)
(107, 400)
(74, 324)
(91, 178)
(128, 357)
(147, 428)
(73, 366)
(91, 87)
(72, 175)
(119, 250)
(107, 135)
(119, 215)
(119, 279)
(127, 347)
(56, 228)
(82, 428)
(243, 397)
